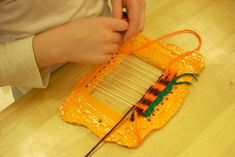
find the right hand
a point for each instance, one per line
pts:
(88, 40)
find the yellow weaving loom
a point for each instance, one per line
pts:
(108, 91)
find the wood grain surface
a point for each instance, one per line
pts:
(204, 126)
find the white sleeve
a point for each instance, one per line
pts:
(18, 65)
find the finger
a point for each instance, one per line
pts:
(108, 57)
(111, 48)
(134, 18)
(94, 58)
(118, 25)
(117, 9)
(114, 24)
(116, 37)
(142, 16)
(100, 59)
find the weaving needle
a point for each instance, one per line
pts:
(106, 135)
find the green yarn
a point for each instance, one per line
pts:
(194, 75)
(185, 82)
(167, 90)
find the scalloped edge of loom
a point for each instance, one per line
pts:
(76, 102)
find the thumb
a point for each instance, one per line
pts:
(117, 9)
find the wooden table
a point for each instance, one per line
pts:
(204, 126)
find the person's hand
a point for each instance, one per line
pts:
(89, 40)
(136, 15)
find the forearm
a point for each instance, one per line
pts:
(49, 48)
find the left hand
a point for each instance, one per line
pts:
(136, 15)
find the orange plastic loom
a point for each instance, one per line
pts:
(103, 96)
